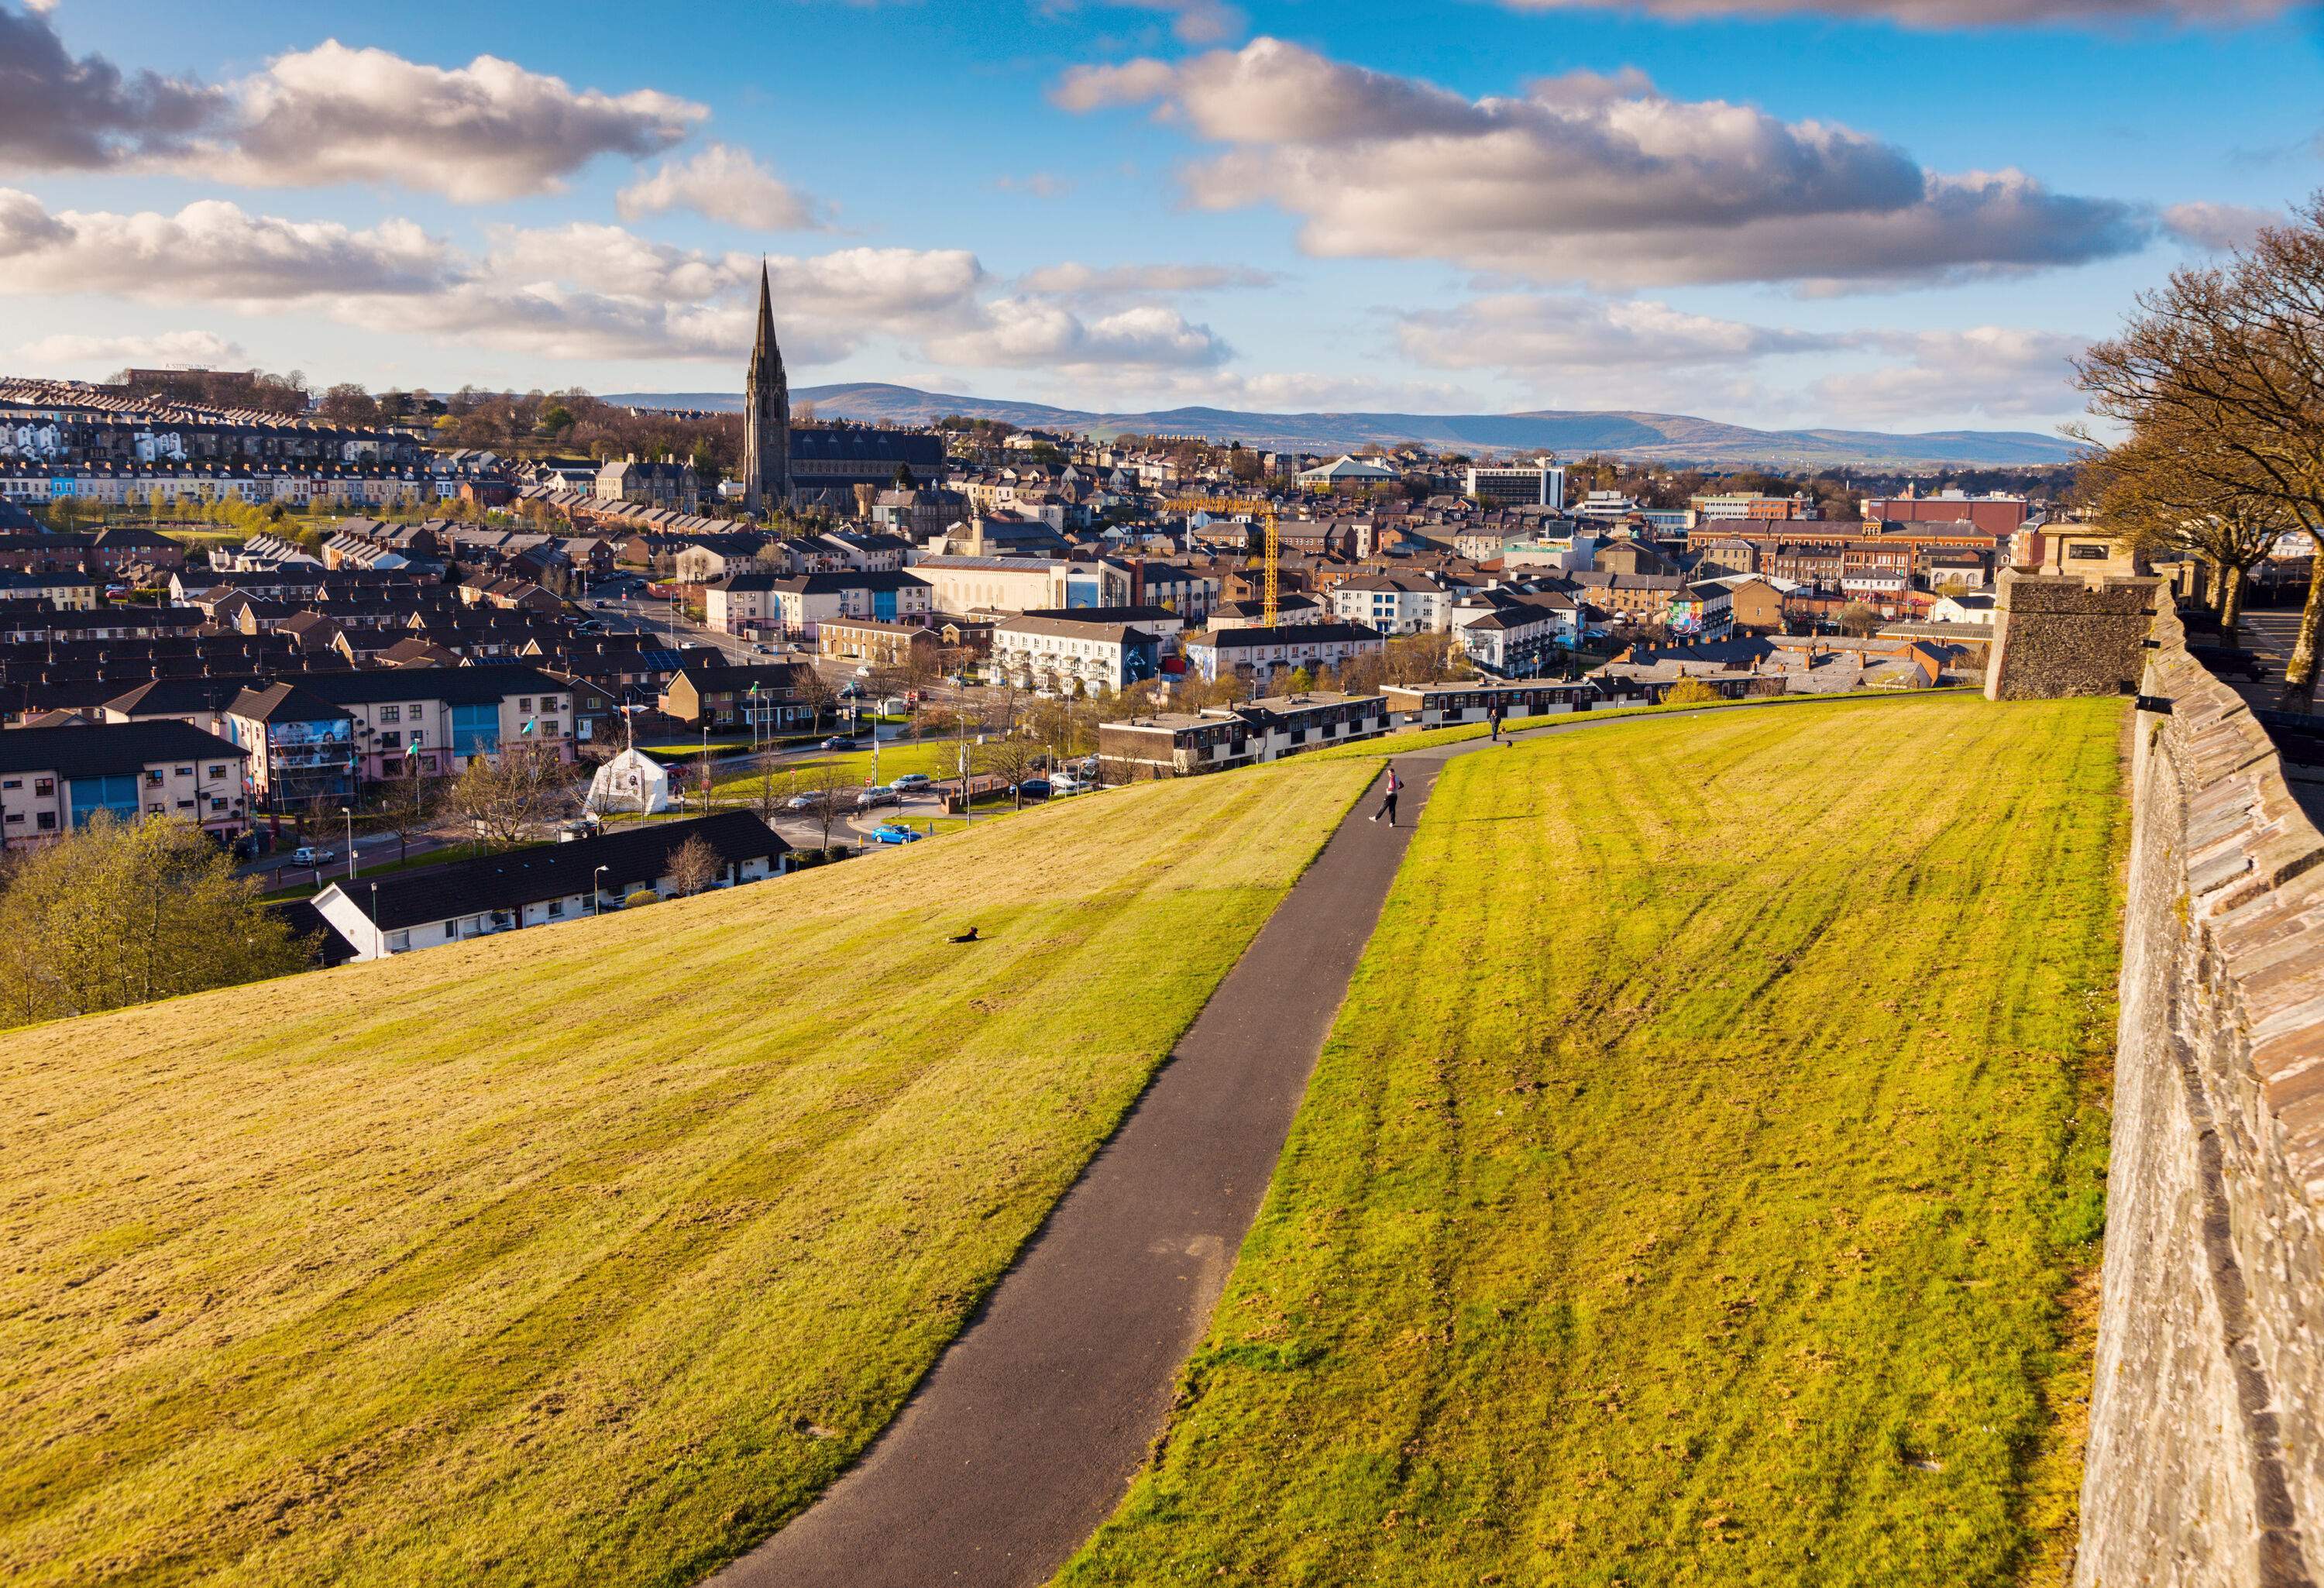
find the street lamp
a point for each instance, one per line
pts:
(595, 894)
(351, 841)
(378, 932)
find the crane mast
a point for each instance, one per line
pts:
(1272, 540)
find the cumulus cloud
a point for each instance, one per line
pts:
(209, 251)
(580, 290)
(483, 132)
(65, 349)
(1948, 13)
(722, 182)
(1195, 21)
(63, 113)
(1032, 333)
(2219, 227)
(1591, 179)
(1075, 279)
(2001, 371)
(1580, 335)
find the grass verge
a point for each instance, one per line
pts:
(1693, 1183)
(589, 1254)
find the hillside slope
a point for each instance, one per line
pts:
(587, 1253)
(1661, 436)
(1687, 1191)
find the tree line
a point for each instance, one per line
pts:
(2217, 382)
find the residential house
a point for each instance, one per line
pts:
(540, 886)
(780, 697)
(1165, 744)
(1262, 653)
(1061, 653)
(53, 780)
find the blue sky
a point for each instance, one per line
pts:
(1883, 214)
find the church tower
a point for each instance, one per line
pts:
(766, 417)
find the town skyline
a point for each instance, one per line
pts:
(1143, 206)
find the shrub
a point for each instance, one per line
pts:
(643, 896)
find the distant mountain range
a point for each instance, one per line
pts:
(1668, 437)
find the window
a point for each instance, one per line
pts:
(46, 821)
(557, 906)
(391, 713)
(154, 775)
(217, 802)
(217, 772)
(12, 783)
(397, 942)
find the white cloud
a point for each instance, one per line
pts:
(483, 132)
(63, 113)
(1947, 14)
(1591, 179)
(210, 250)
(1030, 333)
(1041, 184)
(1581, 337)
(1193, 22)
(1075, 279)
(106, 354)
(2219, 227)
(722, 182)
(1996, 371)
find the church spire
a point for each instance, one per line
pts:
(765, 352)
(766, 414)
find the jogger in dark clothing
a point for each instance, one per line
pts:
(1393, 785)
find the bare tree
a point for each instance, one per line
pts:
(832, 790)
(773, 787)
(2163, 497)
(512, 795)
(409, 805)
(694, 865)
(2236, 352)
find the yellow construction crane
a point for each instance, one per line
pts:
(1274, 538)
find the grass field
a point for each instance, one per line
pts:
(1697, 1181)
(587, 1254)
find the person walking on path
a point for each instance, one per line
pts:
(1493, 716)
(1387, 801)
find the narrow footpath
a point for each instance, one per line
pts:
(1026, 1433)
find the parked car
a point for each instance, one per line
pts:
(1034, 787)
(912, 782)
(871, 799)
(803, 802)
(305, 854)
(839, 741)
(850, 690)
(1067, 783)
(895, 832)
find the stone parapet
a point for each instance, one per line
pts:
(2054, 635)
(2206, 1456)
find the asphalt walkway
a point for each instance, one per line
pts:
(1026, 1433)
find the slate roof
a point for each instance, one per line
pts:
(553, 870)
(99, 750)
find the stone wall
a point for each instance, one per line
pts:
(2205, 1458)
(2056, 636)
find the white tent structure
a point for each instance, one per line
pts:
(632, 780)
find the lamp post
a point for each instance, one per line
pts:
(350, 815)
(595, 907)
(378, 932)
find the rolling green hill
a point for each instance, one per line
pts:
(583, 1255)
(1693, 1185)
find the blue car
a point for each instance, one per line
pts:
(895, 832)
